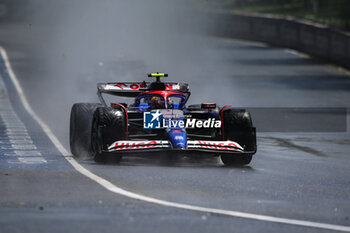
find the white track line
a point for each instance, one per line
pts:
(297, 53)
(115, 189)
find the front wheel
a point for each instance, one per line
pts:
(80, 128)
(107, 126)
(238, 127)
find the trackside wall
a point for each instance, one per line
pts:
(314, 39)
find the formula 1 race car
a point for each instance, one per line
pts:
(159, 120)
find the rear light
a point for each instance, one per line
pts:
(208, 106)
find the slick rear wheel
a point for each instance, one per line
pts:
(80, 128)
(108, 126)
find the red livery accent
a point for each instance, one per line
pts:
(137, 86)
(164, 94)
(209, 106)
(168, 86)
(120, 85)
(222, 120)
(220, 146)
(134, 145)
(134, 86)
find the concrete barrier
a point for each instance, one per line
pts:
(311, 38)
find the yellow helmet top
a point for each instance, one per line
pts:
(157, 75)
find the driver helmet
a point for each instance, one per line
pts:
(155, 99)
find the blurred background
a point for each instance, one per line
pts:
(333, 12)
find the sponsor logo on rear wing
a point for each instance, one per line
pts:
(134, 86)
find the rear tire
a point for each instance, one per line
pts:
(80, 128)
(239, 128)
(108, 126)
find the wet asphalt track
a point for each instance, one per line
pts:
(301, 176)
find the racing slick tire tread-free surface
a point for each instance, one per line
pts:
(80, 128)
(109, 125)
(239, 128)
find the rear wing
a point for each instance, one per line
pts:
(133, 89)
